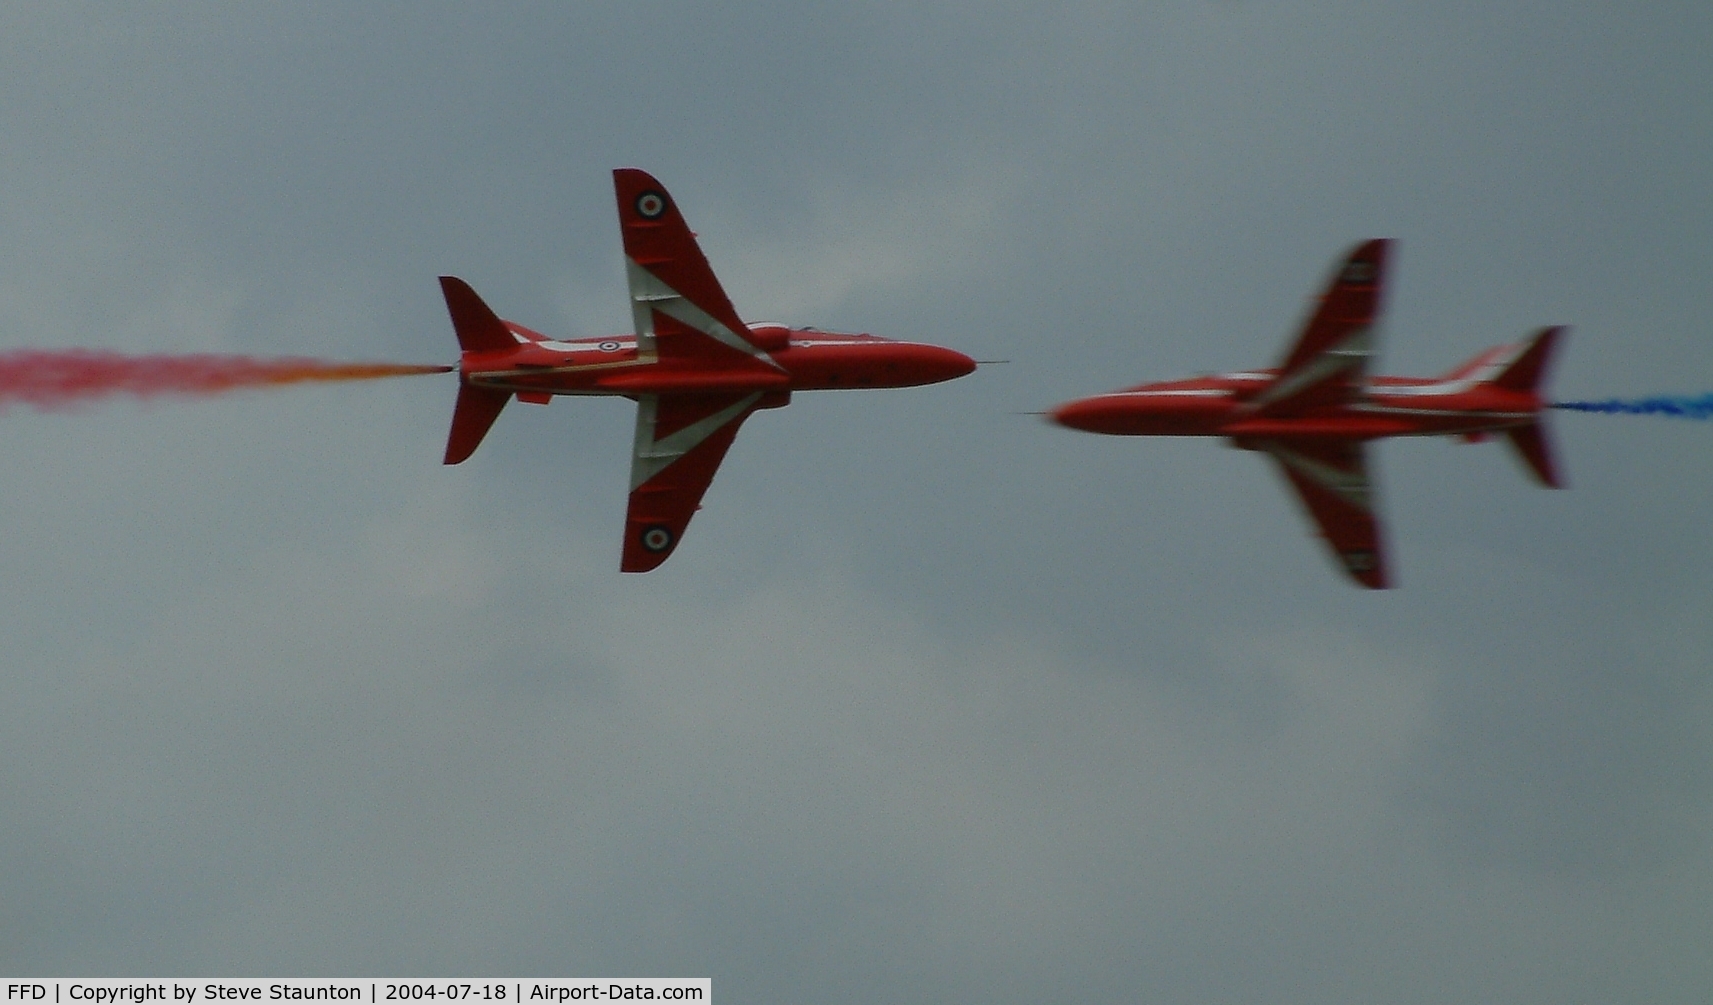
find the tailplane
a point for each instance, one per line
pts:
(1526, 372)
(478, 329)
(1530, 443)
(472, 417)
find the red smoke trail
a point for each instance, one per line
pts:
(59, 379)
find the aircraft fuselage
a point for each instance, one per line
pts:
(803, 360)
(1226, 405)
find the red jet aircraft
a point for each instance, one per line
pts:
(1315, 412)
(694, 369)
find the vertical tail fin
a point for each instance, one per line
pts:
(478, 328)
(1528, 371)
(1520, 366)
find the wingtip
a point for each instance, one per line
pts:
(1365, 263)
(629, 183)
(642, 553)
(1365, 568)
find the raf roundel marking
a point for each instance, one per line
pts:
(608, 346)
(657, 539)
(651, 205)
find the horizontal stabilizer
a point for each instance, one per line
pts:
(1531, 445)
(472, 417)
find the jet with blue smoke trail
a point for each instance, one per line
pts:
(1315, 412)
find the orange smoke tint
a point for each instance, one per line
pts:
(58, 379)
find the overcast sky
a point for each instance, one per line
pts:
(936, 701)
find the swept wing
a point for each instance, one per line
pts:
(1332, 481)
(680, 441)
(682, 316)
(1328, 363)
(677, 304)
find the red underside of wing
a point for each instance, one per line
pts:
(660, 508)
(1349, 528)
(1348, 305)
(1350, 300)
(665, 246)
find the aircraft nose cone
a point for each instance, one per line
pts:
(957, 364)
(932, 364)
(1084, 414)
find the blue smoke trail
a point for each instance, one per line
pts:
(1678, 406)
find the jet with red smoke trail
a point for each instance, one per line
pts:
(1315, 412)
(694, 368)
